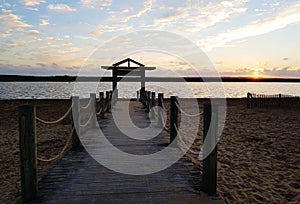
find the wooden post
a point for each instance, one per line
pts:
(173, 118)
(248, 100)
(142, 96)
(102, 104)
(143, 76)
(28, 153)
(160, 112)
(152, 112)
(107, 101)
(110, 99)
(115, 78)
(279, 100)
(210, 132)
(93, 110)
(116, 96)
(148, 100)
(75, 122)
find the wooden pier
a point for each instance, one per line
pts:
(78, 178)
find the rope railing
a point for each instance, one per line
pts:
(86, 106)
(185, 113)
(61, 153)
(28, 144)
(87, 122)
(99, 112)
(55, 121)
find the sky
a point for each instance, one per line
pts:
(258, 38)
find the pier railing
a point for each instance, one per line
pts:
(171, 124)
(28, 138)
(268, 101)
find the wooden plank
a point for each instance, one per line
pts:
(126, 68)
(28, 153)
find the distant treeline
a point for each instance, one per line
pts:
(65, 78)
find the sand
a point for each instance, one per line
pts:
(50, 140)
(258, 153)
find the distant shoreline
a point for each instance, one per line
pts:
(65, 78)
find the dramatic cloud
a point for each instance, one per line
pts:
(60, 8)
(283, 19)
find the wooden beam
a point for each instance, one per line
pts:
(126, 68)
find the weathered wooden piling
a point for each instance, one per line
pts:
(173, 118)
(28, 153)
(210, 132)
(75, 122)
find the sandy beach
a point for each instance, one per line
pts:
(258, 153)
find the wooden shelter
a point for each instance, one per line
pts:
(128, 68)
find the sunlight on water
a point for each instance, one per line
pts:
(63, 90)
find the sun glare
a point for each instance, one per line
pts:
(256, 75)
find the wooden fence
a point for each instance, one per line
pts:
(28, 139)
(209, 175)
(276, 101)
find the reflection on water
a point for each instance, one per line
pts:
(62, 90)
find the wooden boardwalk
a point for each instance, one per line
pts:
(78, 178)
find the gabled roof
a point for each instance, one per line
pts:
(128, 66)
(128, 60)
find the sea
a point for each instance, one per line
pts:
(64, 90)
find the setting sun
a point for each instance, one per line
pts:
(256, 75)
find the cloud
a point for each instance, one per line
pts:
(147, 5)
(194, 18)
(11, 23)
(275, 72)
(96, 3)
(44, 22)
(33, 2)
(60, 8)
(285, 59)
(101, 29)
(33, 32)
(283, 19)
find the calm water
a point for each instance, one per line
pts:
(62, 90)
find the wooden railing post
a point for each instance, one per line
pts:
(102, 104)
(110, 99)
(75, 122)
(137, 96)
(93, 110)
(173, 118)
(210, 132)
(152, 112)
(160, 110)
(279, 100)
(107, 101)
(148, 100)
(141, 96)
(28, 153)
(248, 100)
(145, 98)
